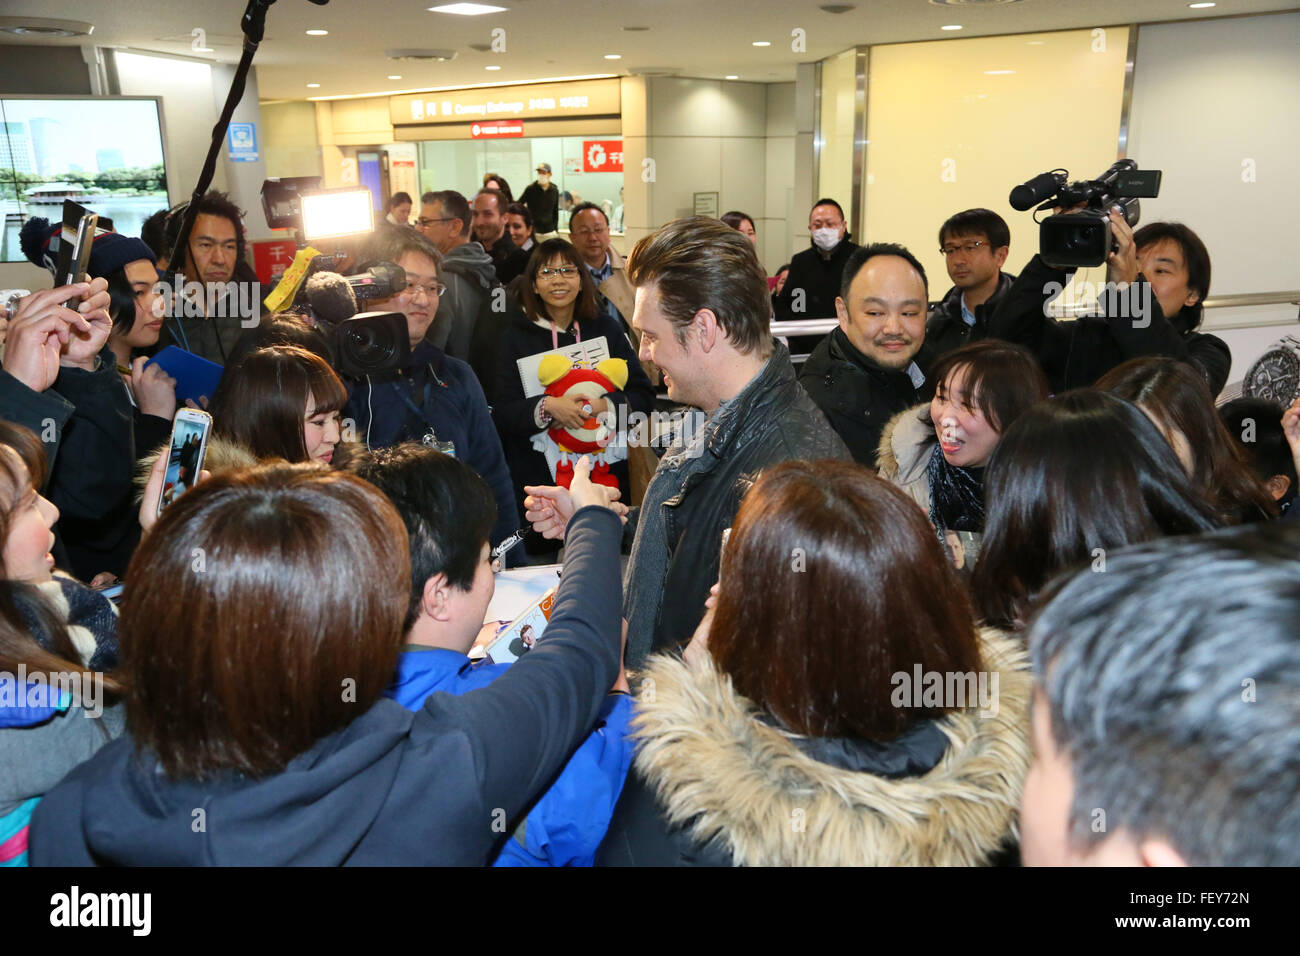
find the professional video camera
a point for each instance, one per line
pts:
(364, 344)
(1082, 239)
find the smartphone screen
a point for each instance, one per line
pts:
(185, 454)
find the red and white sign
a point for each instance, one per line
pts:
(271, 258)
(602, 156)
(496, 129)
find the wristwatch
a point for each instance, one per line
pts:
(1276, 374)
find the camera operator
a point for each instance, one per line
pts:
(435, 398)
(1157, 281)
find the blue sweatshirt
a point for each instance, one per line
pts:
(439, 394)
(568, 821)
(393, 787)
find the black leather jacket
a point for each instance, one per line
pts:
(774, 421)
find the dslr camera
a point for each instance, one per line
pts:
(1082, 239)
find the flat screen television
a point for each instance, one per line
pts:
(105, 152)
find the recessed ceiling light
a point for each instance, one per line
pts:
(1200, 6)
(998, 72)
(466, 9)
(394, 76)
(762, 43)
(613, 56)
(44, 28)
(951, 26)
(1036, 42)
(731, 76)
(318, 33)
(313, 86)
(491, 67)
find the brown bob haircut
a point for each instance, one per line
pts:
(263, 612)
(1176, 396)
(584, 307)
(702, 263)
(261, 403)
(833, 581)
(1002, 380)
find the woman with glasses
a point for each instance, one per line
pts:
(433, 398)
(558, 310)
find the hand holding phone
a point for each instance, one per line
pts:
(179, 467)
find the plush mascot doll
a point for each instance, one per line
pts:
(564, 446)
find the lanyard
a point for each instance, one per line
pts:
(555, 336)
(422, 409)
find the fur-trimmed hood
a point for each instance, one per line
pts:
(724, 774)
(222, 454)
(905, 453)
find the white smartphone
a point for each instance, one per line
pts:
(185, 453)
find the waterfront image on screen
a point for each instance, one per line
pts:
(105, 153)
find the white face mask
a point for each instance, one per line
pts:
(543, 178)
(826, 239)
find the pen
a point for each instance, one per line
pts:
(499, 551)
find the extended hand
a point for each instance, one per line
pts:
(1122, 264)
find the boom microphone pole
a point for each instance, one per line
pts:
(253, 24)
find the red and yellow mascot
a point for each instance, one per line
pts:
(564, 446)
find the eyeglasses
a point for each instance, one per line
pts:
(431, 289)
(966, 247)
(565, 271)
(429, 222)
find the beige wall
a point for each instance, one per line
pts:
(944, 136)
(1237, 186)
(708, 136)
(292, 148)
(835, 171)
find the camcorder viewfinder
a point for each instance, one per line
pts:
(1082, 239)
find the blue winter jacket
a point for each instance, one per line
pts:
(568, 821)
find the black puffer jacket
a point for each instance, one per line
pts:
(946, 330)
(1076, 354)
(857, 396)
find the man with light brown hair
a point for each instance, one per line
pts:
(703, 314)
